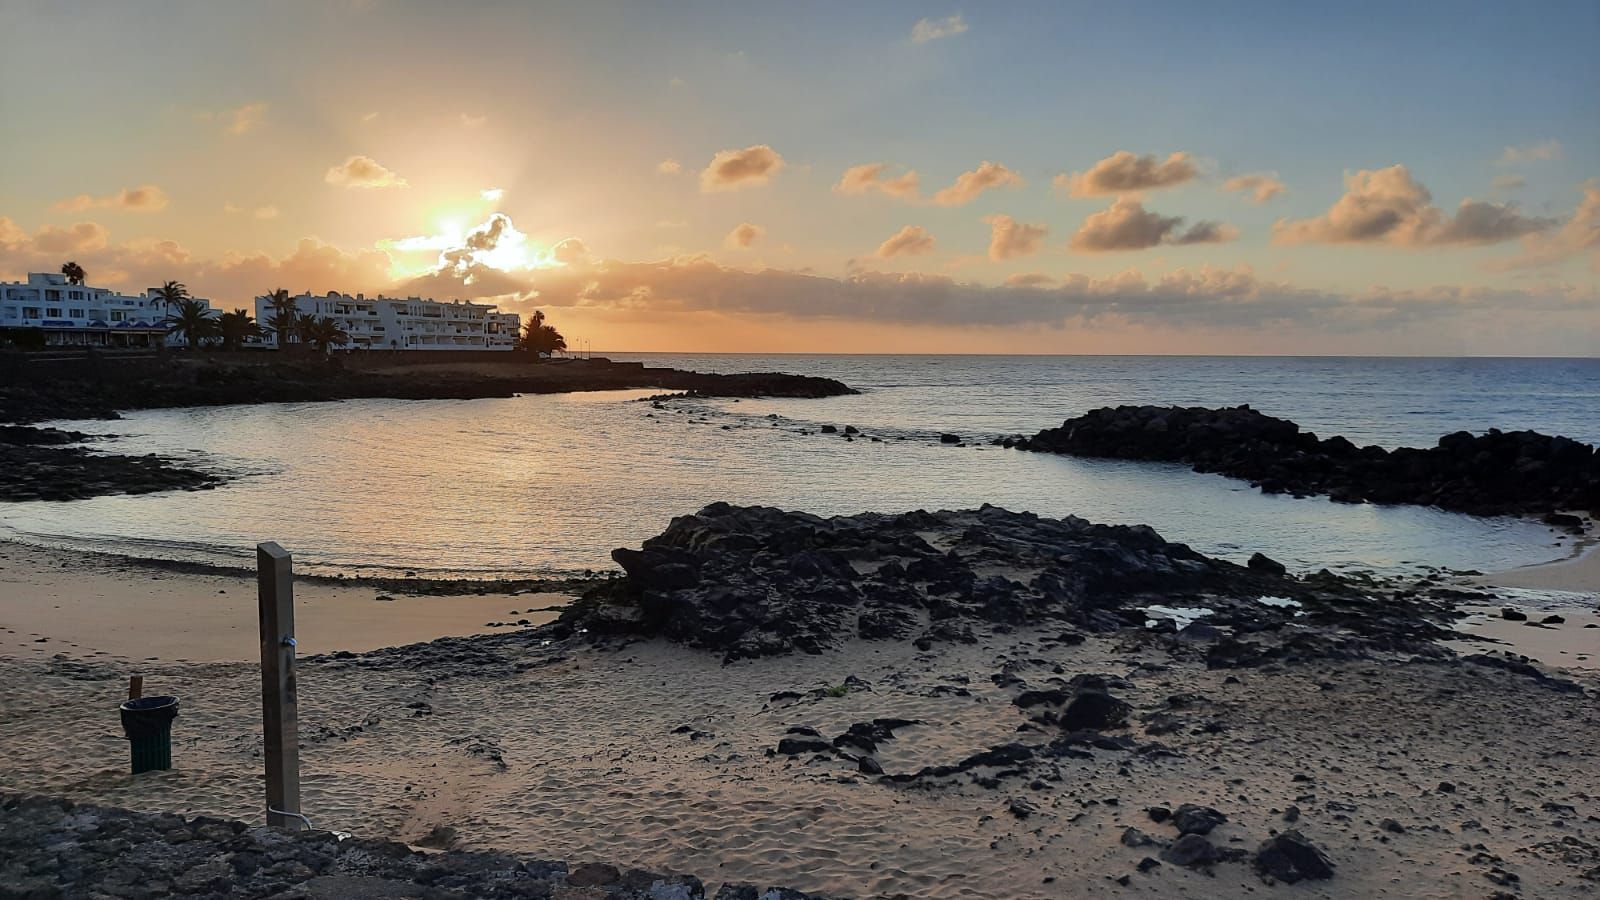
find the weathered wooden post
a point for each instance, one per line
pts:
(279, 704)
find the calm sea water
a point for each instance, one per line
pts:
(553, 483)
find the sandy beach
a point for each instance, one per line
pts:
(653, 754)
(102, 607)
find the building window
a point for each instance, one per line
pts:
(116, 315)
(74, 295)
(53, 311)
(53, 295)
(76, 313)
(31, 312)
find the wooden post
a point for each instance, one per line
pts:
(135, 687)
(279, 704)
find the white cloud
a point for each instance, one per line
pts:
(1544, 150)
(933, 29)
(492, 195)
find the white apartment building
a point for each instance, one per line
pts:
(75, 315)
(390, 323)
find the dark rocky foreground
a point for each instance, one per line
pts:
(756, 581)
(54, 848)
(1498, 473)
(36, 464)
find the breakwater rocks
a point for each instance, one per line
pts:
(758, 581)
(99, 388)
(54, 848)
(1498, 473)
(36, 464)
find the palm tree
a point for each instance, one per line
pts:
(236, 327)
(538, 337)
(305, 324)
(284, 313)
(324, 333)
(172, 293)
(74, 273)
(193, 320)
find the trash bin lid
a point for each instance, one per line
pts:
(149, 704)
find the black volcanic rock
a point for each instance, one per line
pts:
(1290, 857)
(757, 581)
(1497, 473)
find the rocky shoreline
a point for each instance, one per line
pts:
(1497, 473)
(40, 464)
(110, 385)
(35, 464)
(57, 848)
(756, 581)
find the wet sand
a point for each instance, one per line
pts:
(91, 606)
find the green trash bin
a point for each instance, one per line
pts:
(147, 722)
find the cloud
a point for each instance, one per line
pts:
(1127, 225)
(1532, 153)
(492, 195)
(1389, 206)
(933, 29)
(266, 212)
(569, 251)
(363, 172)
(1508, 183)
(230, 280)
(75, 238)
(246, 118)
(912, 240)
(1028, 280)
(1009, 239)
(369, 117)
(734, 169)
(669, 167)
(1578, 235)
(869, 177)
(743, 236)
(968, 185)
(144, 198)
(1124, 172)
(469, 121)
(1260, 186)
(1207, 297)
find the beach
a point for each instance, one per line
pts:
(650, 753)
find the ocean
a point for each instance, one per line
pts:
(550, 484)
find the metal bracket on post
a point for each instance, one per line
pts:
(279, 701)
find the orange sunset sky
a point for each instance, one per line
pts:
(894, 177)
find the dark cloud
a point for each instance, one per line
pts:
(1389, 206)
(1124, 172)
(1127, 225)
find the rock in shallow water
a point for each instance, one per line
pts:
(756, 581)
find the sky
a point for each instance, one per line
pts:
(1063, 177)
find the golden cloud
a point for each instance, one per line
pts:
(363, 172)
(144, 198)
(869, 177)
(734, 169)
(1259, 186)
(1009, 239)
(912, 240)
(968, 185)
